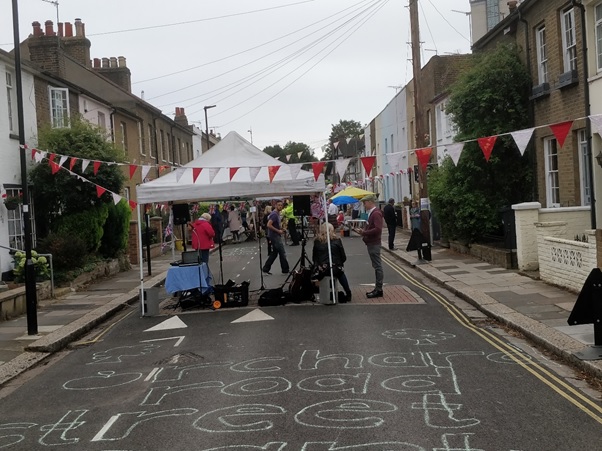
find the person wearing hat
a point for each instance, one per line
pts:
(372, 235)
(391, 221)
(202, 236)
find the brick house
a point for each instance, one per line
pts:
(100, 91)
(550, 38)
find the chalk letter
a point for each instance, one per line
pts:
(250, 417)
(345, 414)
(249, 365)
(336, 383)
(13, 439)
(267, 385)
(67, 423)
(310, 359)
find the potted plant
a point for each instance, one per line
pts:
(11, 202)
(40, 263)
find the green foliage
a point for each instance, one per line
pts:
(343, 130)
(40, 263)
(67, 251)
(489, 99)
(61, 194)
(116, 230)
(292, 149)
(87, 225)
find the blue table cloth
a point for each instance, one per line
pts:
(181, 278)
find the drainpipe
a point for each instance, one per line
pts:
(531, 109)
(112, 121)
(588, 124)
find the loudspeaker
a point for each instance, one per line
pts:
(181, 214)
(302, 205)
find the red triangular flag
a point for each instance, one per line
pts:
(233, 171)
(317, 167)
(195, 173)
(100, 190)
(272, 170)
(368, 163)
(162, 168)
(96, 167)
(561, 130)
(72, 163)
(486, 145)
(132, 170)
(133, 204)
(33, 153)
(424, 156)
(52, 157)
(54, 167)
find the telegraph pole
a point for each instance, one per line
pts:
(31, 295)
(421, 132)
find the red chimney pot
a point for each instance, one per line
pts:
(68, 29)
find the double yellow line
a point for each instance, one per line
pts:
(568, 392)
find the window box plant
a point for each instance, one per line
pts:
(11, 202)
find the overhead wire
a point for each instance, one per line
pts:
(301, 65)
(225, 16)
(249, 49)
(240, 66)
(277, 65)
(447, 21)
(424, 16)
(309, 69)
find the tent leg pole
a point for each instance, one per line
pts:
(140, 260)
(258, 235)
(332, 281)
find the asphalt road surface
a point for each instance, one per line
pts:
(409, 375)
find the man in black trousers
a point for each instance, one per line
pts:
(391, 221)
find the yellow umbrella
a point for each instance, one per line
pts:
(352, 191)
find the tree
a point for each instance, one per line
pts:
(342, 131)
(291, 148)
(67, 205)
(489, 99)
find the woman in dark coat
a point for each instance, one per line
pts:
(321, 260)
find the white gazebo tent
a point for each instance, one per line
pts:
(251, 179)
(232, 169)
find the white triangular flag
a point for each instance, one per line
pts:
(362, 137)
(522, 138)
(341, 166)
(299, 154)
(179, 173)
(295, 169)
(597, 123)
(63, 159)
(253, 173)
(85, 164)
(44, 154)
(348, 140)
(394, 160)
(38, 157)
(288, 157)
(212, 173)
(455, 150)
(336, 144)
(116, 198)
(145, 170)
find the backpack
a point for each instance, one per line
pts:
(271, 298)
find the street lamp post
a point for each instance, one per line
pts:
(30, 274)
(207, 123)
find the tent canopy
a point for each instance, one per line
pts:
(250, 180)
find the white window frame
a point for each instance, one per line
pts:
(124, 136)
(598, 34)
(569, 40)
(102, 120)
(150, 141)
(59, 114)
(169, 148)
(9, 101)
(584, 169)
(16, 227)
(542, 55)
(162, 145)
(552, 174)
(141, 140)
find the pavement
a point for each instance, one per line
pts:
(536, 309)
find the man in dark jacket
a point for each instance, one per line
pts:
(391, 221)
(372, 235)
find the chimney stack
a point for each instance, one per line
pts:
(116, 70)
(180, 117)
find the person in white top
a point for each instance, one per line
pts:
(332, 208)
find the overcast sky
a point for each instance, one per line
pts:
(285, 69)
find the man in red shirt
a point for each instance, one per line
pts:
(372, 235)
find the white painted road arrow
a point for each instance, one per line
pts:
(255, 315)
(171, 323)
